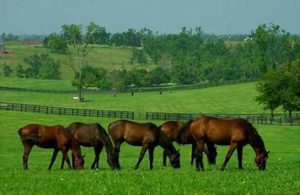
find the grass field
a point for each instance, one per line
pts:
(106, 57)
(234, 99)
(281, 177)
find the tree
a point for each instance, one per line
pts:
(20, 71)
(93, 77)
(73, 35)
(274, 46)
(56, 43)
(289, 88)
(269, 92)
(139, 56)
(99, 35)
(281, 87)
(159, 76)
(41, 66)
(7, 70)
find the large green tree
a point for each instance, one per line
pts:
(280, 87)
(73, 34)
(56, 43)
(41, 66)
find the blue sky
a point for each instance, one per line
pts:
(164, 16)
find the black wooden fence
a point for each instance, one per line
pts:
(66, 111)
(279, 119)
(253, 118)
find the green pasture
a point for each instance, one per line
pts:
(107, 57)
(281, 177)
(38, 84)
(230, 99)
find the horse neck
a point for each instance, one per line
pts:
(182, 133)
(75, 147)
(165, 143)
(257, 143)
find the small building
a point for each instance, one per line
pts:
(2, 48)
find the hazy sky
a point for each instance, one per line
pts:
(164, 16)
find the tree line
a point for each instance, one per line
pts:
(191, 56)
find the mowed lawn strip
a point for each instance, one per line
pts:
(230, 99)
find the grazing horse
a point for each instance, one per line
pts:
(94, 135)
(233, 132)
(56, 137)
(146, 135)
(172, 130)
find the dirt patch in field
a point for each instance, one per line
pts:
(34, 43)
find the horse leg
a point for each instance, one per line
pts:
(151, 151)
(164, 158)
(210, 152)
(97, 149)
(117, 152)
(143, 151)
(199, 155)
(65, 158)
(27, 150)
(232, 147)
(240, 156)
(193, 154)
(55, 151)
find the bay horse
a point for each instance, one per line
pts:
(146, 135)
(94, 135)
(172, 130)
(56, 137)
(233, 132)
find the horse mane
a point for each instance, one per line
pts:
(106, 139)
(166, 143)
(181, 138)
(257, 141)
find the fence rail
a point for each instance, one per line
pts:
(66, 111)
(280, 119)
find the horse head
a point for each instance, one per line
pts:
(175, 159)
(261, 160)
(78, 161)
(112, 160)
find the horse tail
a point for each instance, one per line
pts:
(106, 139)
(181, 137)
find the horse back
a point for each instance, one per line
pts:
(133, 132)
(44, 136)
(221, 131)
(87, 134)
(171, 129)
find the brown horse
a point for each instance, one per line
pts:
(233, 132)
(146, 135)
(55, 137)
(94, 135)
(172, 130)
